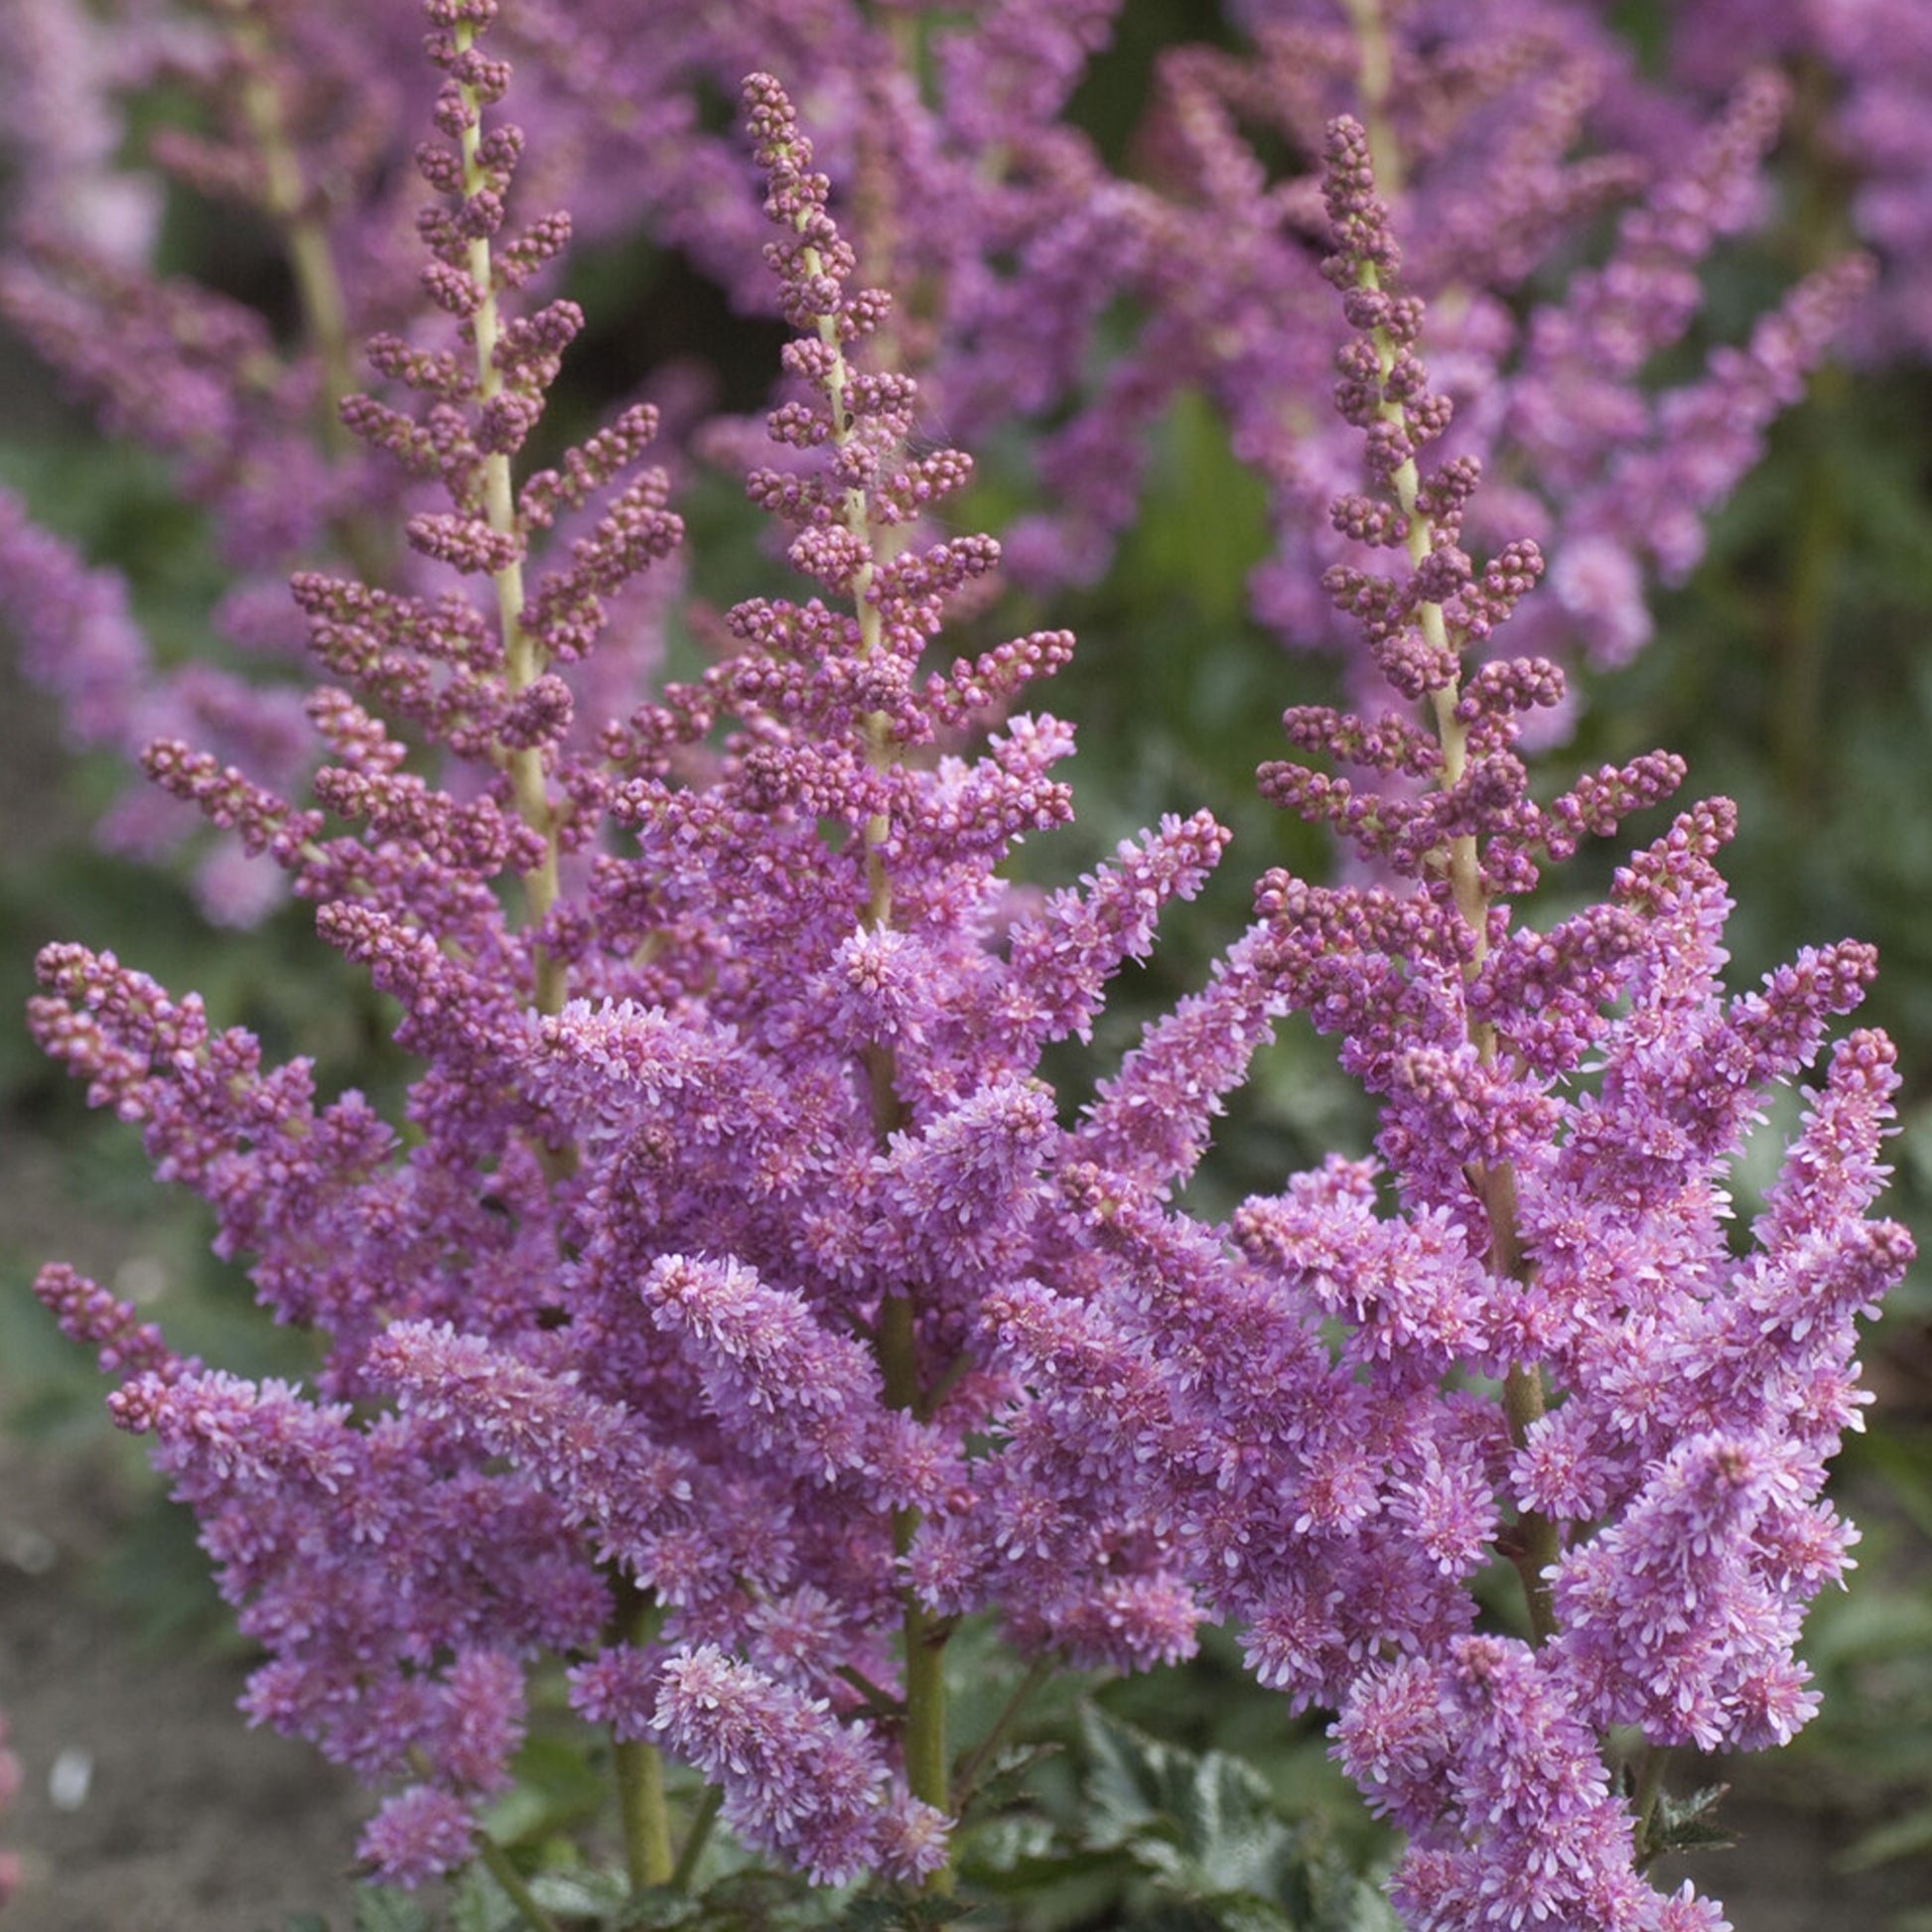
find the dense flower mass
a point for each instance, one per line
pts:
(1507, 128)
(1666, 1406)
(734, 1305)
(748, 1101)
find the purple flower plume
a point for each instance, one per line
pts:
(1293, 1402)
(731, 1304)
(670, 1287)
(794, 1778)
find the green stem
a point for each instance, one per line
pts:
(1374, 76)
(637, 1764)
(1537, 1542)
(640, 1771)
(496, 1861)
(924, 1635)
(969, 1771)
(697, 1838)
(287, 201)
(925, 1703)
(1652, 1762)
(898, 1362)
(878, 1703)
(896, 1344)
(523, 658)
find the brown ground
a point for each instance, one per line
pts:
(190, 1821)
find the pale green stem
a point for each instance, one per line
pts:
(1374, 76)
(1652, 1762)
(637, 1765)
(287, 202)
(640, 1771)
(697, 1838)
(924, 1635)
(523, 660)
(496, 1861)
(286, 199)
(1538, 1543)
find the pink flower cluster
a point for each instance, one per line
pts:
(1021, 247)
(736, 1306)
(1545, 1220)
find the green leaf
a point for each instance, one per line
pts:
(381, 1908)
(1005, 1780)
(1207, 1821)
(582, 1894)
(557, 1789)
(1206, 1831)
(656, 1909)
(1690, 1824)
(477, 1904)
(902, 1912)
(1023, 1856)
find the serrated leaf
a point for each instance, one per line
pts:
(381, 1908)
(1689, 1824)
(902, 1913)
(556, 1790)
(1003, 1780)
(477, 1904)
(1208, 1825)
(657, 1908)
(581, 1893)
(1132, 1783)
(1207, 1830)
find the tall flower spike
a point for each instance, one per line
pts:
(676, 1282)
(1299, 1414)
(729, 1307)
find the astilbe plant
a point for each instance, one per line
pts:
(675, 1273)
(1504, 133)
(1550, 1352)
(1510, 127)
(732, 1310)
(304, 128)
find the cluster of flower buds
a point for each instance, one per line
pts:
(733, 1307)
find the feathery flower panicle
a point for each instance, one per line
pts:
(244, 424)
(1668, 1545)
(670, 1294)
(1478, 115)
(795, 1778)
(733, 1307)
(1865, 68)
(1016, 243)
(1293, 1399)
